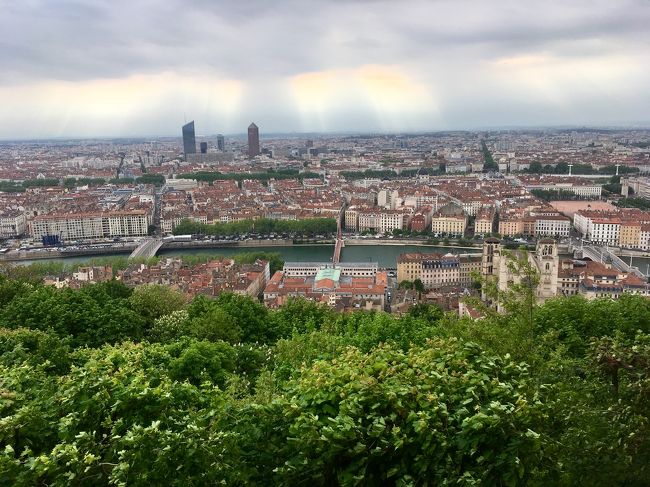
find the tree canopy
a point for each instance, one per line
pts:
(105, 385)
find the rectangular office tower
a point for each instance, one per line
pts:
(221, 143)
(189, 139)
(253, 140)
(204, 147)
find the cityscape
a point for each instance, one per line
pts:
(587, 190)
(344, 243)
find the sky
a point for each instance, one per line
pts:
(71, 68)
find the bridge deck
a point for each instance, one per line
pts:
(603, 254)
(148, 248)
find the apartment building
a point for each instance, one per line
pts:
(562, 183)
(381, 221)
(436, 270)
(12, 223)
(351, 219)
(605, 230)
(596, 280)
(552, 226)
(484, 222)
(449, 219)
(598, 226)
(421, 220)
(630, 234)
(644, 236)
(640, 187)
(450, 225)
(91, 225)
(511, 226)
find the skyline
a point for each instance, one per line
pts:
(242, 134)
(127, 70)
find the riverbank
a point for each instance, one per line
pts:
(402, 242)
(22, 255)
(49, 254)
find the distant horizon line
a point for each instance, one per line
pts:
(273, 134)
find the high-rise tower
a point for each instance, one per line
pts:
(189, 139)
(221, 143)
(253, 140)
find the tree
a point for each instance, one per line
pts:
(170, 327)
(203, 360)
(405, 284)
(299, 316)
(359, 418)
(428, 312)
(249, 316)
(208, 321)
(418, 285)
(90, 315)
(151, 301)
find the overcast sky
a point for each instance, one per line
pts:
(141, 67)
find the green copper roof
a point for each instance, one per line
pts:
(332, 274)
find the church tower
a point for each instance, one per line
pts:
(548, 263)
(490, 261)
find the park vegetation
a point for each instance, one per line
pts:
(263, 176)
(559, 195)
(489, 164)
(640, 203)
(562, 167)
(20, 187)
(261, 226)
(107, 385)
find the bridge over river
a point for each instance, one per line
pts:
(147, 248)
(603, 254)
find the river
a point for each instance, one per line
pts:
(384, 255)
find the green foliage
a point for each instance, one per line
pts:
(560, 194)
(156, 179)
(35, 348)
(11, 187)
(91, 316)
(427, 312)
(418, 285)
(170, 328)
(489, 164)
(370, 173)
(577, 320)
(40, 183)
(274, 259)
(249, 316)
(556, 394)
(240, 176)
(298, 316)
(203, 361)
(264, 226)
(401, 417)
(74, 182)
(151, 301)
(640, 203)
(405, 284)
